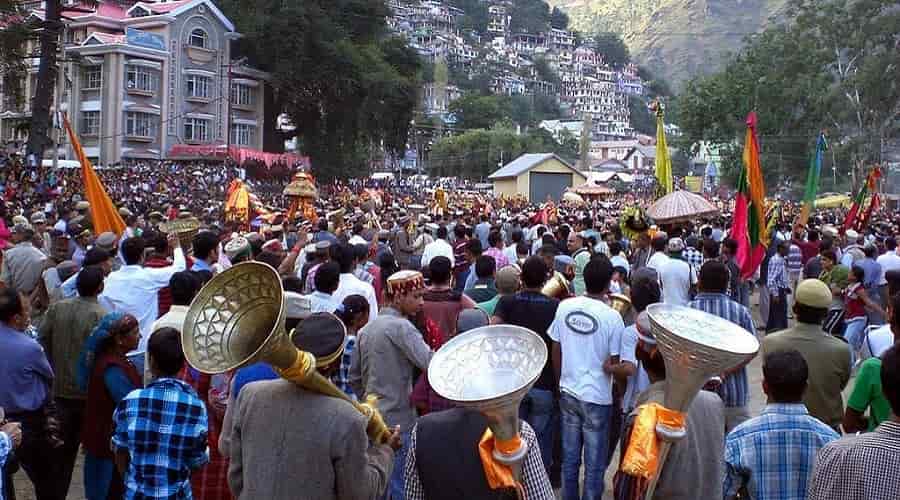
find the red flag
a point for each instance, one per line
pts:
(748, 226)
(853, 218)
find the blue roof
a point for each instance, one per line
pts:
(525, 163)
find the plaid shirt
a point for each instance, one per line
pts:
(535, 481)
(772, 455)
(861, 467)
(693, 257)
(734, 390)
(342, 377)
(777, 274)
(795, 259)
(163, 427)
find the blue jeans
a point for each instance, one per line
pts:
(855, 334)
(395, 483)
(585, 427)
(538, 408)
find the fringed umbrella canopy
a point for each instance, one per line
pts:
(679, 206)
(572, 197)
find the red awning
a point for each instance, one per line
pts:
(239, 154)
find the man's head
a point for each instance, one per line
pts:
(495, 240)
(644, 290)
(574, 242)
(184, 286)
(729, 247)
(165, 352)
(441, 233)
(534, 273)
(485, 267)
(107, 241)
(784, 376)
(890, 377)
(328, 278)
(713, 277)
(99, 257)
(710, 249)
(890, 244)
(323, 335)
(473, 250)
(812, 300)
(658, 243)
(507, 280)
(643, 240)
(548, 253)
(89, 282)
(59, 248)
(828, 258)
(206, 246)
(345, 256)
(133, 250)
(405, 290)
(783, 248)
(440, 270)
(597, 274)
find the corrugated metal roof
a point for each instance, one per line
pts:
(527, 162)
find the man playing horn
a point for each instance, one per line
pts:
(274, 457)
(388, 350)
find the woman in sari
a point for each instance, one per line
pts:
(107, 375)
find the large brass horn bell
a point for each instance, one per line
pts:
(238, 319)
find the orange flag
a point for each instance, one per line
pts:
(104, 215)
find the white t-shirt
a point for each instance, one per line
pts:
(879, 340)
(639, 381)
(676, 278)
(890, 261)
(437, 248)
(657, 261)
(588, 332)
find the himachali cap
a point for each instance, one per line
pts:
(19, 219)
(236, 247)
(403, 282)
(813, 293)
(38, 218)
(106, 240)
(852, 235)
(124, 212)
(82, 205)
(155, 215)
(676, 245)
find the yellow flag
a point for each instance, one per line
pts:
(663, 162)
(104, 215)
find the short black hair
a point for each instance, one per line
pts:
(94, 256)
(184, 286)
(713, 277)
(156, 240)
(597, 274)
(322, 225)
(710, 249)
(459, 230)
(643, 293)
(894, 320)
(165, 350)
(785, 373)
(494, 238)
(658, 243)
(534, 272)
(442, 232)
(474, 247)
(615, 248)
(327, 277)
(344, 256)
(439, 270)
(485, 265)
(859, 273)
(521, 248)
(549, 249)
(893, 281)
(10, 303)
(870, 251)
(271, 258)
(89, 281)
(828, 254)
(204, 243)
(517, 236)
(890, 244)
(890, 377)
(132, 250)
(292, 284)
(731, 245)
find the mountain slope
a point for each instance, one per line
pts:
(677, 39)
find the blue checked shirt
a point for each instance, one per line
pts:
(342, 377)
(693, 257)
(734, 389)
(163, 427)
(772, 455)
(777, 276)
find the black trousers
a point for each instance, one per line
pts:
(38, 456)
(778, 319)
(71, 416)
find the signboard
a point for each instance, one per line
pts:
(141, 38)
(693, 183)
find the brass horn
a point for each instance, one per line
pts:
(622, 305)
(556, 287)
(238, 319)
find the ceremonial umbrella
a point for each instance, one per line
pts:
(573, 197)
(679, 206)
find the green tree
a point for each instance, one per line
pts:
(345, 82)
(479, 111)
(529, 16)
(641, 118)
(559, 19)
(612, 46)
(584, 146)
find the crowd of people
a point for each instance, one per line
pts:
(92, 356)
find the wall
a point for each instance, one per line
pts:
(505, 187)
(549, 166)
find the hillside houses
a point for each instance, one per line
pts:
(585, 84)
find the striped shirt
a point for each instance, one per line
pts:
(795, 259)
(735, 388)
(772, 455)
(777, 274)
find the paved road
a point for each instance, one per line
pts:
(757, 402)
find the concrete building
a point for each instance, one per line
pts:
(536, 176)
(143, 77)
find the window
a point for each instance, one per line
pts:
(91, 78)
(198, 86)
(198, 38)
(141, 124)
(140, 78)
(196, 129)
(90, 123)
(242, 95)
(242, 134)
